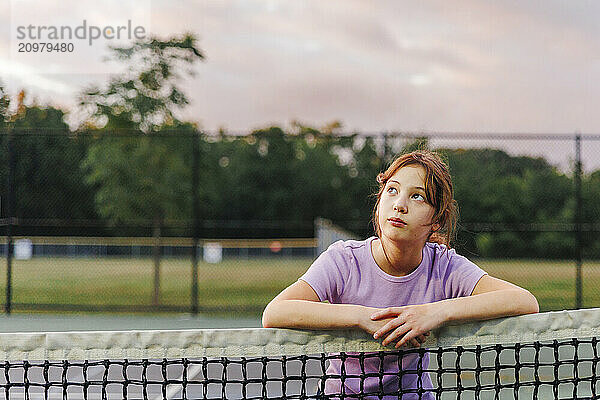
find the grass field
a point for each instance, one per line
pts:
(238, 284)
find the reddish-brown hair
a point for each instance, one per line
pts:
(438, 188)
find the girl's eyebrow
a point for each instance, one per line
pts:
(398, 183)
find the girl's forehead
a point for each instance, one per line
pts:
(409, 173)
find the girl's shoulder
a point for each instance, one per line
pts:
(350, 251)
(443, 258)
(438, 248)
(441, 254)
(457, 274)
(351, 246)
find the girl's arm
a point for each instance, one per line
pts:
(298, 306)
(491, 298)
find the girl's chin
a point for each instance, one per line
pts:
(401, 237)
(395, 237)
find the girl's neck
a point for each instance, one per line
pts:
(397, 259)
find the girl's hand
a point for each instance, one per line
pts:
(368, 324)
(371, 325)
(410, 324)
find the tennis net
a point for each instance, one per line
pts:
(550, 355)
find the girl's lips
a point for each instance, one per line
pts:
(397, 222)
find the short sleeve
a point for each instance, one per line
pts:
(461, 276)
(327, 273)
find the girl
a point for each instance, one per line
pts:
(400, 284)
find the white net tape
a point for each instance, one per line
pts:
(193, 343)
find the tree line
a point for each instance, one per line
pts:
(133, 160)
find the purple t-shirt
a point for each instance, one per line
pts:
(346, 273)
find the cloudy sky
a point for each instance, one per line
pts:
(461, 66)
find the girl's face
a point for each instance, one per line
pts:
(404, 213)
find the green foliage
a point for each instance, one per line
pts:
(554, 245)
(421, 143)
(492, 186)
(145, 97)
(138, 178)
(590, 188)
(140, 175)
(4, 104)
(48, 181)
(273, 176)
(268, 175)
(360, 181)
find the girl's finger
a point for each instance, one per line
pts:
(385, 313)
(396, 334)
(393, 324)
(408, 336)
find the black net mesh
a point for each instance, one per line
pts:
(555, 369)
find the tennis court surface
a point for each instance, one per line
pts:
(543, 356)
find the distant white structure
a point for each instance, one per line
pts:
(23, 249)
(327, 233)
(213, 252)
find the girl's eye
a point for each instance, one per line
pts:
(418, 196)
(392, 190)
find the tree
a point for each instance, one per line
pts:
(271, 175)
(4, 104)
(146, 97)
(360, 183)
(47, 180)
(138, 166)
(591, 213)
(493, 187)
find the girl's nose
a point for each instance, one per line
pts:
(401, 206)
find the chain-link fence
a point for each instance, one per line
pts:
(200, 222)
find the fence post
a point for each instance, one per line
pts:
(9, 217)
(578, 232)
(196, 221)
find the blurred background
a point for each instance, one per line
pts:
(208, 164)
